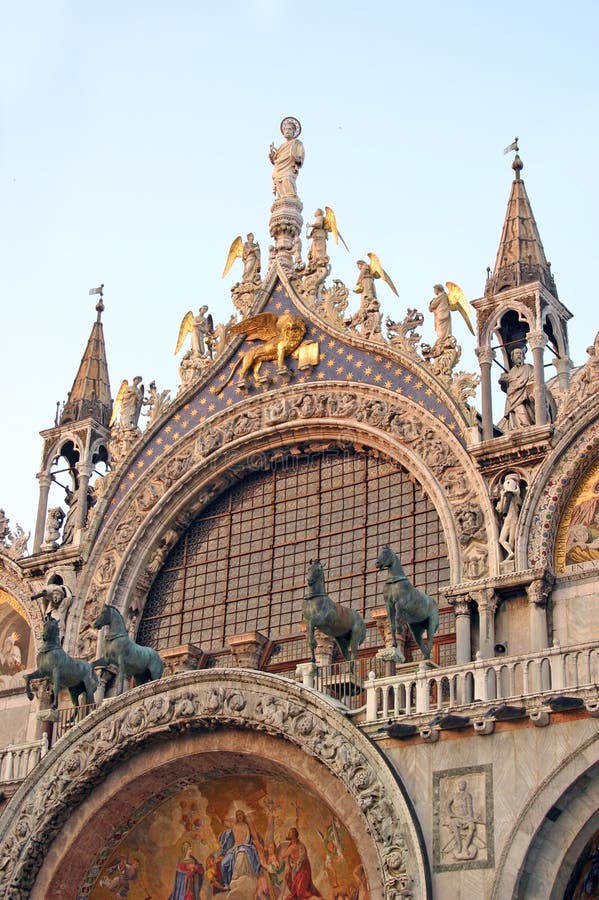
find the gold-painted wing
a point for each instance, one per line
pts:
(378, 271)
(262, 327)
(457, 300)
(185, 328)
(330, 223)
(118, 402)
(235, 252)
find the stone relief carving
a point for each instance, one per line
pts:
(114, 734)
(463, 825)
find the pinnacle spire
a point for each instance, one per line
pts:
(520, 258)
(90, 395)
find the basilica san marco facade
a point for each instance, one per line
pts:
(307, 436)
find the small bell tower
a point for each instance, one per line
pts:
(520, 311)
(79, 438)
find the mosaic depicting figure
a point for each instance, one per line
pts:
(582, 542)
(250, 838)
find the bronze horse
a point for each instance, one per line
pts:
(63, 670)
(143, 663)
(340, 622)
(405, 603)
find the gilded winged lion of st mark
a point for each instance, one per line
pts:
(282, 335)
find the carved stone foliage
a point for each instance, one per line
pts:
(463, 819)
(403, 335)
(195, 701)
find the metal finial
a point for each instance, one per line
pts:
(100, 303)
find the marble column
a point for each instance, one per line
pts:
(485, 358)
(563, 365)
(538, 592)
(538, 341)
(486, 600)
(45, 480)
(461, 609)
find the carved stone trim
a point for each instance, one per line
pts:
(196, 701)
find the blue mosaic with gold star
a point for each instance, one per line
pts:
(338, 361)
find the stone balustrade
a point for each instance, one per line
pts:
(17, 760)
(417, 689)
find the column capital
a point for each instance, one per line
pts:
(247, 649)
(537, 340)
(486, 599)
(539, 590)
(485, 355)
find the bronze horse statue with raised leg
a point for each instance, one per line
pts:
(62, 670)
(406, 604)
(340, 622)
(131, 659)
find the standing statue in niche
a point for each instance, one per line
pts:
(287, 159)
(508, 507)
(518, 384)
(54, 520)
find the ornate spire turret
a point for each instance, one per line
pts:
(74, 446)
(520, 311)
(520, 258)
(90, 395)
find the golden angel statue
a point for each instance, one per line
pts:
(127, 405)
(249, 253)
(281, 336)
(201, 328)
(324, 224)
(368, 272)
(443, 304)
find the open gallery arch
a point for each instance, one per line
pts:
(151, 753)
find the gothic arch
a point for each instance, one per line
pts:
(143, 728)
(175, 490)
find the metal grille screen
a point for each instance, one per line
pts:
(241, 566)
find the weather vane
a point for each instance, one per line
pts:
(512, 146)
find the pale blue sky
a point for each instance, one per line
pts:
(134, 149)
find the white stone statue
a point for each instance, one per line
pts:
(127, 406)
(508, 507)
(518, 384)
(287, 159)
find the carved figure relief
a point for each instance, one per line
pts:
(463, 825)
